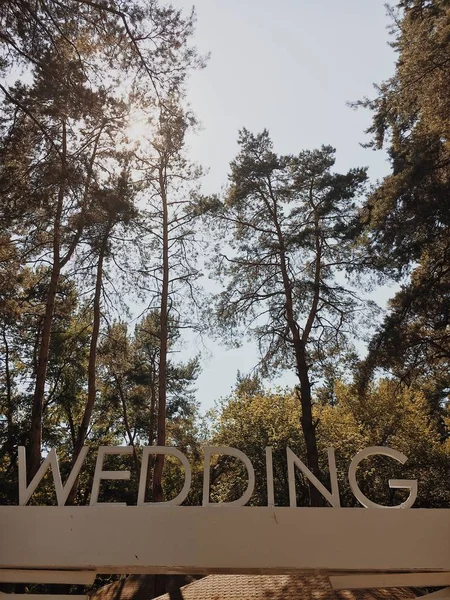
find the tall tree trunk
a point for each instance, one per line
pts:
(308, 424)
(162, 369)
(151, 427)
(299, 344)
(307, 421)
(92, 364)
(305, 396)
(35, 440)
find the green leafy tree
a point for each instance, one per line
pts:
(287, 219)
(46, 186)
(251, 419)
(406, 218)
(395, 415)
(129, 374)
(58, 132)
(391, 415)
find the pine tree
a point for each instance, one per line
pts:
(288, 222)
(406, 218)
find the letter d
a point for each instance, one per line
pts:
(242, 501)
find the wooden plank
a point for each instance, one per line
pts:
(47, 576)
(176, 539)
(355, 581)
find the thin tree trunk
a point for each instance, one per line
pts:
(92, 364)
(9, 444)
(35, 440)
(73, 436)
(162, 369)
(126, 421)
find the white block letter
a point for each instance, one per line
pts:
(100, 474)
(51, 460)
(332, 497)
(407, 484)
(144, 469)
(242, 501)
(269, 476)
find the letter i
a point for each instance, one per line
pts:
(269, 477)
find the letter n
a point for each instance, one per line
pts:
(332, 497)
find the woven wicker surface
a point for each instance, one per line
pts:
(248, 587)
(278, 587)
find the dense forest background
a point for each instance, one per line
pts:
(104, 223)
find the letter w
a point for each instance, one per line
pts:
(51, 459)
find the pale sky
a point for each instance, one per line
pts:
(289, 66)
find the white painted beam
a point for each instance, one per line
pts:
(355, 581)
(47, 576)
(177, 539)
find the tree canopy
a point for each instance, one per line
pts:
(107, 239)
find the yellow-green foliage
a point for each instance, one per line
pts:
(389, 415)
(393, 415)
